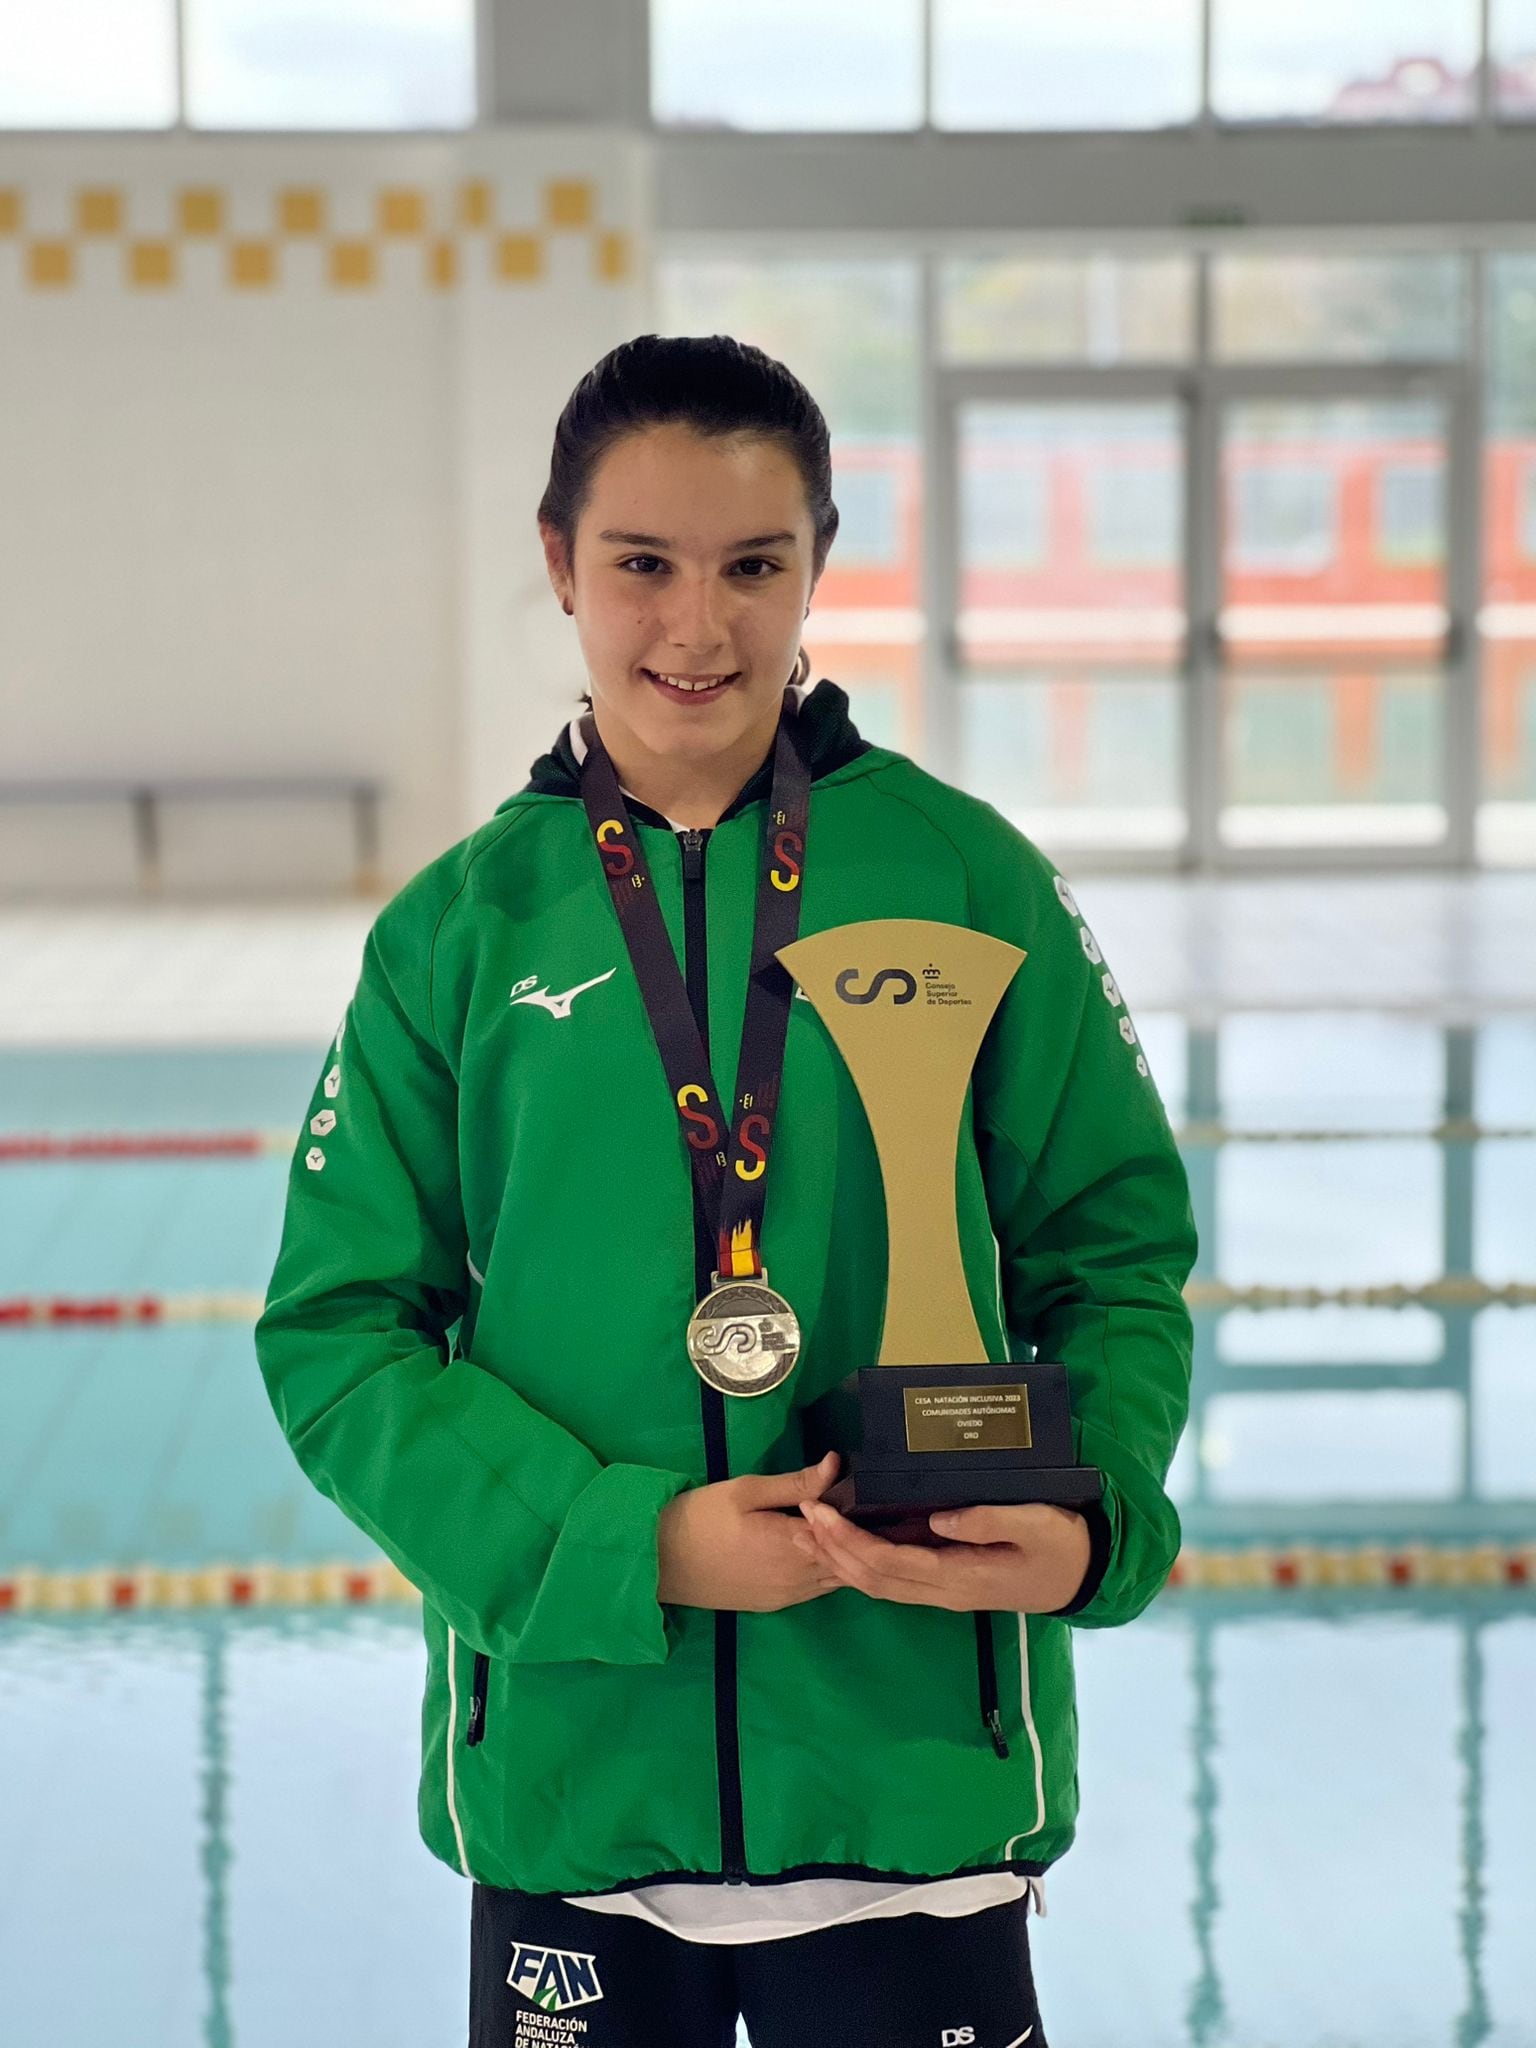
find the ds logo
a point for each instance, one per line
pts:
(958, 2037)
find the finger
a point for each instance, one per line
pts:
(787, 1489)
(875, 1564)
(1016, 1524)
(985, 1524)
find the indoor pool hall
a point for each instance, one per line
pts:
(731, 731)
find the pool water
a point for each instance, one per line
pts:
(1309, 1815)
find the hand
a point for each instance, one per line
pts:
(1032, 1559)
(734, 1545)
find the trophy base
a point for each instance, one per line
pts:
(918, 1438)
(896, 1505)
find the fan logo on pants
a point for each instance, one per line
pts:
(553, 1979)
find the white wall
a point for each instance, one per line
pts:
(262, 515)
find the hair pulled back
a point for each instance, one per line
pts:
(712, 383)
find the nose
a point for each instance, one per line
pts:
(693, 617)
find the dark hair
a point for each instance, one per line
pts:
(711, 382)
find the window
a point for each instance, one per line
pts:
(330, 64)
(1134, 513)
(1101, 308)
(1513, 36)
(797, 64)
(868, 530)
(1004, 508)
(1314, 61)
(1339, 308)
(1284, 517)
(87, 64)
(1099, 64)
(1410, 515)
(1112, 65)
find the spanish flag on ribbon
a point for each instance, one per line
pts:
(738, 1252)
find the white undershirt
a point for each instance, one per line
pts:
(768, 1912)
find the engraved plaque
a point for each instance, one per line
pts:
(967, 1418)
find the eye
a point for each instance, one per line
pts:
(761, 560)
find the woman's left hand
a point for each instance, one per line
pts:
(1032, 1559)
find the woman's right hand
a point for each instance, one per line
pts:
(743, 1542)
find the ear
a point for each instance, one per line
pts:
(556, 565)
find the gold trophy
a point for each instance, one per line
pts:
(932, 1424)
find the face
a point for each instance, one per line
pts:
(663, 587)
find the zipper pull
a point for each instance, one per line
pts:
(692, 837)
(475, 1730)
(986, 1682)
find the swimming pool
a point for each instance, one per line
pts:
(208, 1806)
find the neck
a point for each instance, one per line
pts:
(692, 793)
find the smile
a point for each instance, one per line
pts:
(685, 686)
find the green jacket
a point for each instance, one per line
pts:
(473, 1341)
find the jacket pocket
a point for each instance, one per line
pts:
(474, 1729)
(986, 1682)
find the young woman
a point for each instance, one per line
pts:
(704, 1746)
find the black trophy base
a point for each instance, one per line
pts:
(917, 1438)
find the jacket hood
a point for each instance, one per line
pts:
(827, 736)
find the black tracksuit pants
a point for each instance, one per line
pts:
(543, 1972)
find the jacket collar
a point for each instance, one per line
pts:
(825, 731)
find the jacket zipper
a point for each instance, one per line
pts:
(986, 1670)
(475, 1730)
(733, 1852)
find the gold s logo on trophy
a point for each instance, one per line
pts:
(932, 1424)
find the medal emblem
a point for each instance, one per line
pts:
(743, 1337)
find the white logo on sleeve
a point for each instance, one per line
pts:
(525, 991)
(332, 1083)
(314, 1159)
(323, 1122)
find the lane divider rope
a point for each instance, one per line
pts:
(28, 1311)
(19, 1148)
(1451, 1290)
(1279, 1569)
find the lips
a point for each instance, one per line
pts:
(708, 690)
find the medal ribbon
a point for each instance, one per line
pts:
(731, 1177)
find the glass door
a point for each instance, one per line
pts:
(1211, 619)
(1337, 649)
(1062, 542)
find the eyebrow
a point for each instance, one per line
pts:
(652, 540)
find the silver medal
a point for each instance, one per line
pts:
(743, 1337)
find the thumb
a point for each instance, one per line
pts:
(976, 1525)
(788, 1489)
